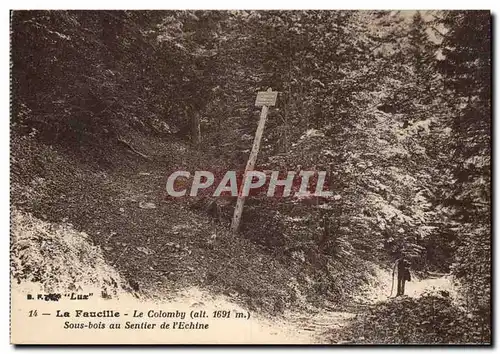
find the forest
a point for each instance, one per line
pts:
(394, 105)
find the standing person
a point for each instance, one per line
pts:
(403, 267)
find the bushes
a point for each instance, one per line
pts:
(58, 257)
(431, 319)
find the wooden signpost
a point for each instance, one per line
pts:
(265, 99)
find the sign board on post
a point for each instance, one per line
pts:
(264, 100)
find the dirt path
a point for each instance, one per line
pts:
(66, 247)
(168, 246)
(313, 327)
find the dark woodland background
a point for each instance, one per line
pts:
(395, 105)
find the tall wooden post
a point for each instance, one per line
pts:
(264, 99)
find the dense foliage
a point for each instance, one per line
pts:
(431, 319)
(467, 74)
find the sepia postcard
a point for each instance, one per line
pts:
(250, 177)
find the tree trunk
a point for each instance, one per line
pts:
(196, 134)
